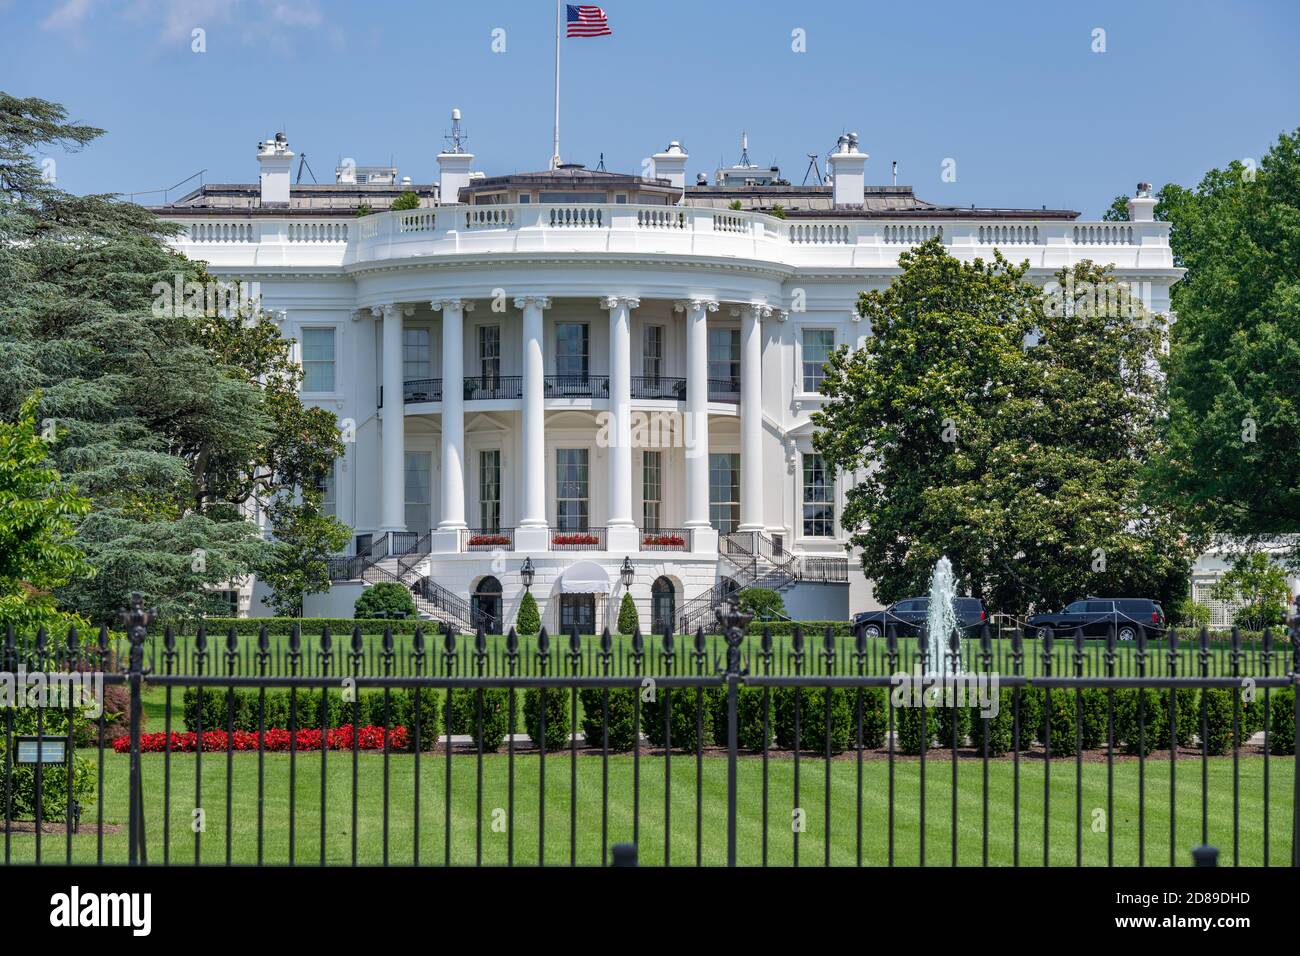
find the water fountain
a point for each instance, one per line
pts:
(941, 624)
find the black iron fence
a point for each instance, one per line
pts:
(754, 749)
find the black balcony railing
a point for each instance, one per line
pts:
(484, 387)
(590, 539)
(576, 386)
(658, 387)
(724, 389)
(421, 390)
(489, 539)
(666, 539)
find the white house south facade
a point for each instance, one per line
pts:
(596, 381)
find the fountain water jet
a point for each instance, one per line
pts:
(941, 623)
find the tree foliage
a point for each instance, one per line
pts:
(1004, 426)
(178, 420)
(385, 599)
(627, 616)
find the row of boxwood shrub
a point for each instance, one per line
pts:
(244, 711)
(698, 717)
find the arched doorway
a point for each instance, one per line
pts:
(663, 606)
(486, 600)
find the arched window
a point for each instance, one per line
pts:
(486, 600)
(663, 605)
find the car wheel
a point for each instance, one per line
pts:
(871, 630)
(1127, 633)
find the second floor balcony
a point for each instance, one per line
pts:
(510, 387)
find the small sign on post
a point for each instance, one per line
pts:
(44, 750)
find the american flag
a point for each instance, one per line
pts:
(585, 21)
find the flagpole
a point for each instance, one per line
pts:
(555, 146)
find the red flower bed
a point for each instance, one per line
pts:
(663, 541)
(575, 539)
(487, 540)
(275, 739)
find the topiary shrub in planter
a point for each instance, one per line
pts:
(388, 598)
(1281, 722)
(627, 618)
(621, 711)
(495, 717)
(559, 716)
(812, 718)
(528, 621)
(1155, 713)
(683, 719)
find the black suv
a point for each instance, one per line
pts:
(908, 617)
(1096, 615)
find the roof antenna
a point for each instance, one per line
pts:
(302, 161)
(456, 141)
(601, 167)
(744, 150)
(813, 170)
(895, 172)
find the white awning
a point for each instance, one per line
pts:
(584, 577)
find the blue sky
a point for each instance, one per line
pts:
(1013, 92)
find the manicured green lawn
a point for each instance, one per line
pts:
(465, 833)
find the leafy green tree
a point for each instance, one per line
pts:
(297, 564)
(1019, 461)
(38, 516)
(1228, 464)
(528, 620)
(180, 417)
(764, 603)
(409, 199)
(386, 599)
(627, 617)
(1260, 584)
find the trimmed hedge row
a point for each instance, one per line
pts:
(244, 714)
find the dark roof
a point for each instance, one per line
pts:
(804, 202)
(569, 176)
(315, 199)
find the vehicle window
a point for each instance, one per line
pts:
(967, 605)
(1135, 608)
(1101, 607)
(1078, 607)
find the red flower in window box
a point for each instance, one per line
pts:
(580, 538)
(488, 540)
(663, 541)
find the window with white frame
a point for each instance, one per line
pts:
(571, 349)
(818, 344)
(489, 490)
(651, 490)
(572, 489)
(489, 354)
(415, 354)
(818, 498)
(318, 360)
(419, 491)
(652, 352)
(724, 358)
(724, 491)
(328, 503)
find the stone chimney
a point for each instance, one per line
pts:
(276, 161)
(454, 164)
(671, 165)
(848, 185)
(1142, 207)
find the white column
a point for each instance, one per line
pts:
(704, 538)
(452, 518)
(532, 533)
(621, 530)
(751, 415)
(393, 494)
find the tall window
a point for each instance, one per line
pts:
(652, 352)
(817, 347)
(818, 498)
(318, 360)
(489, 354)
(489, 490)
(572, 502)
(419, 492)
(724, 356)
(724, 491)
(663, 605)
(571, 349)
(415, 354)
(651, 489)
(328, 504)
